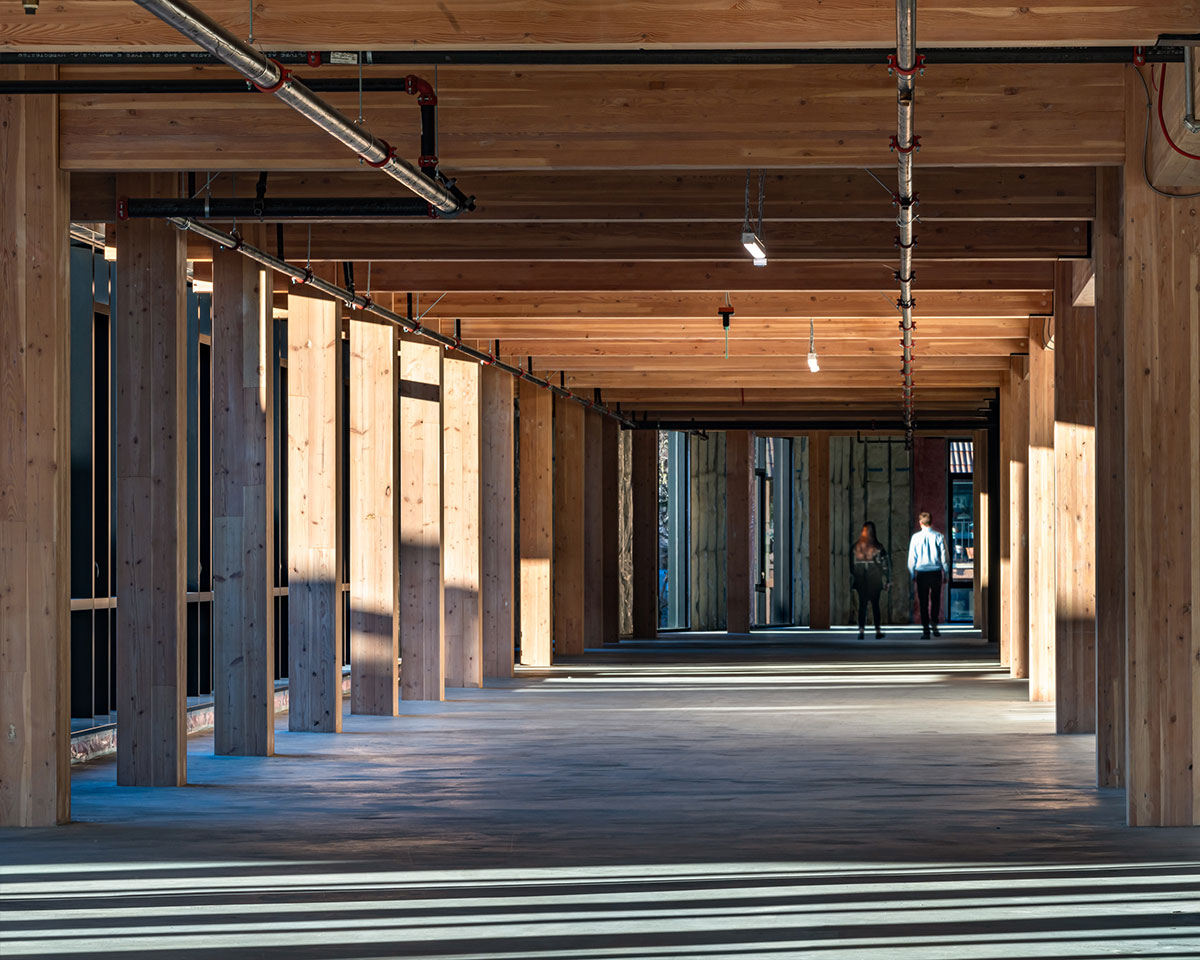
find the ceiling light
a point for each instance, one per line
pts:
(754, 247)
(752, 235)
(812, 362)
(813, 365)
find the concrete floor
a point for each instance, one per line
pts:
(785, 795)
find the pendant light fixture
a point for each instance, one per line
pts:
(813, 365)
(752, 234)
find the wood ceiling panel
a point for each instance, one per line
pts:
(852, 380)
(590, 118)
(406, 24)
(571, 353)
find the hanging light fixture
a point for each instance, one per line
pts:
(813, 365)
(752, 235)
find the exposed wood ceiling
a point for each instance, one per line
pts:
(610, 197)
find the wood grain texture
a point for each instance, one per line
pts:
(610, 508)
(498, 519)
(1075, 511)
(1108, 238)
(583, 117)
(463, 551)
(151, 531)
(243, 508)
(644, 486)
(593, 529)
(739, 500)
(1162, 475)
(35, 785)
(1167, 168)
(315, 542)
(374, 520)
(1002, 540)
(568, 569)
(1042, 563)
(707, 560)
(1018, 521)
(360, 24)
(820, 548)
(422, 567)
(537, 522)
(981, 497)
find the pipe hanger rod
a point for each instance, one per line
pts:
(304, 276)
(906, 65)
(270, 77)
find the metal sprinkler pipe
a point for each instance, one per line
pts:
(304, 276)
(270, 77)
(906, 64)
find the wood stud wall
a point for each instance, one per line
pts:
(537, 522)
(35, 786)
(1018, 520)
(739, 501)
(644, 484)
(498, 482)
(243, 508)
(707, 559)
(593, 530)
(820, 547)
(569, 588)
(1041, 513)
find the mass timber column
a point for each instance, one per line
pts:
(243, 507)
(1109, 251)
(1041, 512)
(1075, 509)
(983, 540)
(610, 548)
(819, 546)
(151, 502)
(593, 529)
(537, 521)
(1002, 539)
(463, 552)
(568, 567)
(314, 479)
(374, 526)
(422, 588)
(739, 496)
(644, 484)
(1018, 520)
(35, 727)
(1162, 476)
(498, 483)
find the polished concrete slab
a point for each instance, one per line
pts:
(779, 795)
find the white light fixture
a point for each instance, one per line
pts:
(813, 365)
(812, 362)
(754, 247)
(752, 236)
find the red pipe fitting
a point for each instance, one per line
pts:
(285, 76)
(421, 89)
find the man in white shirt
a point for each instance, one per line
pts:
(927, 564)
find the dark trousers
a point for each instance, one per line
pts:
(866, 596)
(929, 588)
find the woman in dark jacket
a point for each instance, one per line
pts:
(870, 570)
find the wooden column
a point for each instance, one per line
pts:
(1075, 510)
(537, 521)
(374, 525)
(739, 497)
(1018, 520)
(243, 507)
(35, 784)
(610, 507)
(644, 484)
(1110, 478)
(314, 479)
(819, 546)
(463, 551)
(151, 503)
(422, 593)
(1162, 476)
(568, 567)
(983, 540)
(498, 482)
(1002, 538)
(1041, 512)
(593, 529)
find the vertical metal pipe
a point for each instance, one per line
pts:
(906, 149)
(268, 76)
(1189, 92)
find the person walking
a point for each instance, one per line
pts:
(928, 563)
(870, 572)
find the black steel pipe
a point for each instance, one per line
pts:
(1165, 53)
(267, 209)
(848, 427)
